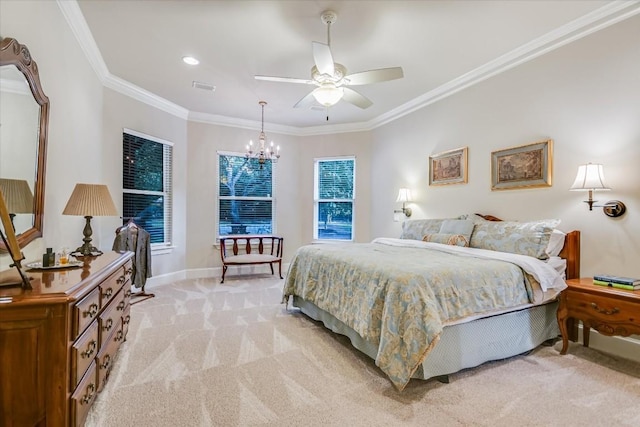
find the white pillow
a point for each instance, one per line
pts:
(556, 243)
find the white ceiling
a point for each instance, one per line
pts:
(442, 46)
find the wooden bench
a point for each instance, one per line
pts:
(241, 249)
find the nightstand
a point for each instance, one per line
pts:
(610, 311)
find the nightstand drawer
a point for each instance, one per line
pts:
(602, 307)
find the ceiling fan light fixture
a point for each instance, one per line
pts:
(328, 95)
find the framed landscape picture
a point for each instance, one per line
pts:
(526, 166)
(449, 167)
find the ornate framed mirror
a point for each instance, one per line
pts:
(24, 121)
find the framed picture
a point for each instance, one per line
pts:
(526, 166)
(449, 167)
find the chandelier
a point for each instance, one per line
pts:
(264, 153)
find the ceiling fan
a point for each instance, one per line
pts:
(331, 78)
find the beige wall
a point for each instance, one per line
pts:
(123, 112)
(585, 96)
(205, 140)
(75, 129)
(294, 185)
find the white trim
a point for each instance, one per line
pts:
(72, 13)
(603, 17)
(146, 136)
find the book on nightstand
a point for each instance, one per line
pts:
(617, 282)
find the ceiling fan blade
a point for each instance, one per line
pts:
(356, 98)
(375, 76)
(323, 58)
(285, 79)
(307, 101)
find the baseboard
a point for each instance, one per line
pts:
(625, 347)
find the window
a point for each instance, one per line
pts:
(334, 198)
(245, 195)
(146, 185)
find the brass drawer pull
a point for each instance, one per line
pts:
(121, 280)
(126, 319)
(128, 271)
(90, 349)
(118, 336)
(120, 306)
(93, 310)
(108, 293)
(604, 310)
(127, 293)
(107, 362)
(108, 325)
(91, 388)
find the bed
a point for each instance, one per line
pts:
(449, 294)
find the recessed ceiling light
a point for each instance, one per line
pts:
(190, 60)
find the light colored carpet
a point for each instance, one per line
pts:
(206, 354)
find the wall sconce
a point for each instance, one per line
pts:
(404, 196)
(590, 178)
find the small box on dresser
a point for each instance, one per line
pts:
(610, 311)
(58, 341)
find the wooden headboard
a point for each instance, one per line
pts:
(570, 251)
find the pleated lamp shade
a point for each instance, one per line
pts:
(90, 200)
(17, 195)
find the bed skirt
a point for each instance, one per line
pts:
(464, 345)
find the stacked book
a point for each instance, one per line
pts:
(628, 283)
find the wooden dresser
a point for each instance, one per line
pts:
(58, 341)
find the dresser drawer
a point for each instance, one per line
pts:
(110, 287)
(84, 395)
(107, 354)
(110, 318)
(602, 307)
(83, 352)
(85, 311)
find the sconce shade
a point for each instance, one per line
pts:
(590, 177)
(90, 200)
(404, 195)
(17, 195)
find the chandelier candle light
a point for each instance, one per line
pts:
(263, 154)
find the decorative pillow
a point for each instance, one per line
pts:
(458, 226)
(416, 228)
(525, 238)
(447, 239)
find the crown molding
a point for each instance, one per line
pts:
(597, 20)
(594, 21)
(72, 13)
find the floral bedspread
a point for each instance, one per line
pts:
(399, 298)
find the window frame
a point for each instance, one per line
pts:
(317, 200)
(167, 174)
(273, 197)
